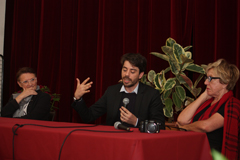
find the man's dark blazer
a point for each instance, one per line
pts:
(38, 108)
(148, 105)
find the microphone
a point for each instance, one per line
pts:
(125, 102)
(118, 125)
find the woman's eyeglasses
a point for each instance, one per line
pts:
(29, 81)
(209, 78)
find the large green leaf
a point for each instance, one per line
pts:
(163, 100)
(167, 69)
(178, 51)
(195, 68)
(144, 79)
(204, 66)
(180, 79)
(170, 83)
(151, 75)
(180, 93)
(170, 42)
(185, 59)
(167, 50)
(216, 155)
(161, 78)
(198, 80)
(160, 55)
(183, 79)
(166, 94)
(160, 90)
(188, 87)
(186, 62)
(187, 80)
(149, 84)
(187, 48)
(184, 66)
(188, 55)
(177, 101)
(175, 67)
(168, 110)
(156, 82)
(196, 91)
(188, 101)
(167, 113)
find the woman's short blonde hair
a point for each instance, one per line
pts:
(228, 73)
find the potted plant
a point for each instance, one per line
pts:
(54, 98)
(172, 89)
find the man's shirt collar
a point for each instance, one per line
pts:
(134, 91)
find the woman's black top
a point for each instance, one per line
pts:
(215, 137)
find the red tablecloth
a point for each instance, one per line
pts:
(41, 143)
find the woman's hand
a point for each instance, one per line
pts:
(181, 126)
(25, 93)
(205, 95)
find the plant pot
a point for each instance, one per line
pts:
(52, 115)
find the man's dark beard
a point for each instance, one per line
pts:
(128, 85)
(129, 80)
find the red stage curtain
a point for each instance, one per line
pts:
(65, 39)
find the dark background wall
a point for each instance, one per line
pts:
(65, 39)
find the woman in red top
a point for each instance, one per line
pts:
(209, 113)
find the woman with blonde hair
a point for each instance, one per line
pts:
(216, 112)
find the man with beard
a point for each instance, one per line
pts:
(144, 101)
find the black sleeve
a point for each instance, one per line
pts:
(93, 112)
(9, 109)
(221, 109)
(39, 108)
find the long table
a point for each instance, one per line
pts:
(35, 140)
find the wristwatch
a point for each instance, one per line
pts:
(77, 100)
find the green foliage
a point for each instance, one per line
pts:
(217, 155)
(172, 89)
(54, 97)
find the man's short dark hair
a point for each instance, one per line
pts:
(25, 70)
(135, 59)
